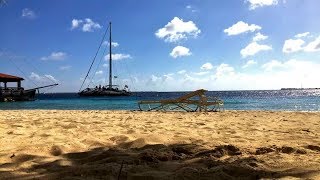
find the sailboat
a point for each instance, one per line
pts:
(110, 89)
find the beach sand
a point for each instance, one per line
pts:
(86, 144)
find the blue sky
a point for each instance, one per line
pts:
(164, 45)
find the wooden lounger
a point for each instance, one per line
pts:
(191, 102)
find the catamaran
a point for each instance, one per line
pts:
(110, 89)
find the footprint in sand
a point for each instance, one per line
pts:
(21, 158)
(131, 131)
(313, 148)
(283, 149)
(44, 135)
(123, 125)
(119, 139)
(138, 143)
(220, 151)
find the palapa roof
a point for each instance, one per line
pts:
(9, 78)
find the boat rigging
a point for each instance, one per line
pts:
(110, 89)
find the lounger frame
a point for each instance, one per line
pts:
(191, 102)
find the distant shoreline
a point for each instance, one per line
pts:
(300, 89)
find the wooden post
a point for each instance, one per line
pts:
(19, 84)
(203, 100)
(5, 85)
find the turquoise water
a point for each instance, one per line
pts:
(290, 100)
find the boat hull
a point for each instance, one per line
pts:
(10, 95)
(97, 93)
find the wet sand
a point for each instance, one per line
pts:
(55, 144)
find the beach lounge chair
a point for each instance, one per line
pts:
(191, 102)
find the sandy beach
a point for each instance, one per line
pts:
(85, 144)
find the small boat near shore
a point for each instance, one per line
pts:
(18, 93)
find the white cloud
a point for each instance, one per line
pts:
(292, 45)
(157, 81)
(313, 46)
(300, 67)
(113, 44)
(295, 45)
(191, 8)
(51, 77)
(271, 75)
(180, 51)
(117, 57)
(64, 68)
(55, 56)
(76, 23)
(249, 63)
(201, 73)
(88, 25)
(182, 72)
(206, 66)
(241, 27)
(253, 48)
(177, 30)
(105, 65)
(154, 78)
(168, 77)
(269, 66)
(224, 70)
(154, 81)
(42, 79)
(302, 35)
(28, 13)
(259, 37)
(260, 3)
(187, 79)
(99, 72)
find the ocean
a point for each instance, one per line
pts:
(278, 100)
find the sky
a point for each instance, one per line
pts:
(163, 45)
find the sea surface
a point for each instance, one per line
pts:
(288, 100)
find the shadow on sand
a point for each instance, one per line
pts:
(176, 161)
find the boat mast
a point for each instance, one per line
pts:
(110, 59)
(95, 56)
